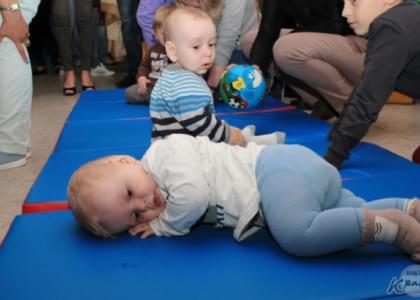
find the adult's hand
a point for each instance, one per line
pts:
(16, 29)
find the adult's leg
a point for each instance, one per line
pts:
(85, 27)
(15, 100)
(131, 33)
(95, 51)
(60, 21)
(329, 63)
(50, 43)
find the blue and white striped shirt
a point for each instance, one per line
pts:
(181, 102)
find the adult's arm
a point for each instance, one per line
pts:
(14, 27)
(144, 67)
(145, 13)
(228, 34)
(387, 54)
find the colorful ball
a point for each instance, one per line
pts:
(242, 87)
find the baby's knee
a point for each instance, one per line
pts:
(131, 94)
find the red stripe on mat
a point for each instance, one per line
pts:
(250, 112)
(28, 208)
(291, 107)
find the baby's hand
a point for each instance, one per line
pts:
(236, 137)
(142, 84)
(142, 229)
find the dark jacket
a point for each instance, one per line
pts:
(392, 63)
(303, 16)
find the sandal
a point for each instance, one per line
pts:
(70, 91)
(88, 87)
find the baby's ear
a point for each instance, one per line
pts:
(121, 159)
(127, 159)
(171, 51)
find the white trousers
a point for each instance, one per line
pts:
(15, 92)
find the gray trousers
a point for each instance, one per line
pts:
(133, 96)
(61, 23)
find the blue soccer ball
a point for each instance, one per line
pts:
(242, 87)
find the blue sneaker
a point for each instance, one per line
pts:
(9, 160)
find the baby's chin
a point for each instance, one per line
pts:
(201, 72)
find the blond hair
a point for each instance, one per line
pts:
(160, 16)
(80, 189)
(212, 7)
(169, 26)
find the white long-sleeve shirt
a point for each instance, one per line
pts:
(195, 174)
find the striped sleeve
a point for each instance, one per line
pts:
(181, 102)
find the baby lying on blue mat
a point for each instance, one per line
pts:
(183, 180)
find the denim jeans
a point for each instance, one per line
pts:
(131, 33)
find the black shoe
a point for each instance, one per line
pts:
(127, 81)
(323, 111)
(416, 155)
(69, 91)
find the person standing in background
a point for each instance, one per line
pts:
(62, 29)
(15, 82)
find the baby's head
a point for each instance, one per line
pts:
(113, 194)
(212, 7)
(190, 39)
(158, 20)
(361, 13)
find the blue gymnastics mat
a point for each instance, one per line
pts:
(98, 134)
(47, 256)
(404, 185)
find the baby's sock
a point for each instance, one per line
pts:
(248, 131)
(394, 227)
(274, 138)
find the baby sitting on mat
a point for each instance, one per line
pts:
(181, 101)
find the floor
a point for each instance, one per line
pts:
(398, 129)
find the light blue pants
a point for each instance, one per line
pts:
(15, 92)
(305, 207)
